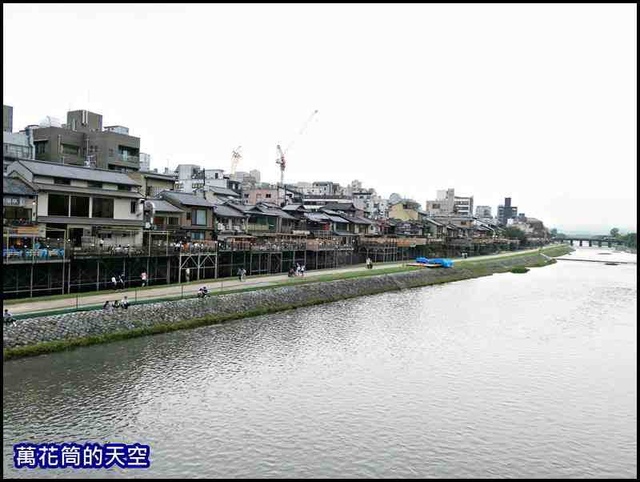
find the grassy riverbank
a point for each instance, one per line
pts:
(464, 269)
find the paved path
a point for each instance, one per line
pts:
(190, 289)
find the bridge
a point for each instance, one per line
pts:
(599, 241)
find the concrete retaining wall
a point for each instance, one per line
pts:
(83, 324)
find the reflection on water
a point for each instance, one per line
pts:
(512, 375)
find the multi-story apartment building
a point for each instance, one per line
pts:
(448, 203)
(506, 212)
(82, 141)
(483, 212)
(85, 203)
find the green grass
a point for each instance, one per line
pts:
(519, 269)
(238, 289)
(380, 269)
(155, 286)
(467, 271)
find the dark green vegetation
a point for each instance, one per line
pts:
(519, 269)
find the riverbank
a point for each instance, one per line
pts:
(47, 334)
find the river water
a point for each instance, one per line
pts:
(512, 375)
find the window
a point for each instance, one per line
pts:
(173, 221)
(197, 236)
(199, 217)
(134, 206)
(58, 205)
(95, 184)
(102, 207)
(70, 150)
(268, 196)
(60, 180)
(123, 187)
(189, 216)
(80, 206)
(41, 147)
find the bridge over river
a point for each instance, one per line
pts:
(599, 241)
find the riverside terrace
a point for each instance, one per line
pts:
(35, 266)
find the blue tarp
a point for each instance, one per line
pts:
(445, 262)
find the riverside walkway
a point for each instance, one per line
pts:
(187, 290)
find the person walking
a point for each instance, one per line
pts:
(240, 274)
(121, 281)
(115, 282)
(243, 276)
(188, 274)
(143, 277)
(302, 268)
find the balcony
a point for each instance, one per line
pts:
(261, 228)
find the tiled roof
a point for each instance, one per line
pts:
(186, 199)
(163, 206)
(55, 169)
(15, 186)
(225, 211)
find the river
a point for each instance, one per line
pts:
(512, 375)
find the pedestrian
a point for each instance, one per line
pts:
(369, 263)
(115, 282)
(302, 268)
(240, 274)
(243, 276)
(121, 281)
(143, 277)
(101, 244)
(8, 318)
(188, 274)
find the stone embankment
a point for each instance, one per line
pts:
(57, 332)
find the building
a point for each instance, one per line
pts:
(448, 203)
(506, 212)
(85, 203)
(19, 205)
(17, 145)
(192, 178)
(83, 142)
(483, 212)
(7, 118)
(197, 220)
(405, 210)
(145, 162)
(254, 173)
(153, 183)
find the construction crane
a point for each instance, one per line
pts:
(281, 159)
(235, 159)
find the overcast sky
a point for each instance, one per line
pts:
(535, 102)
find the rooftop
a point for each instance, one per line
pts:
(56, 169)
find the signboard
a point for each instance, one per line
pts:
(14, 201)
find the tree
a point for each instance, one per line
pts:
(615, 232)
(512, 232)
(553, 232)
